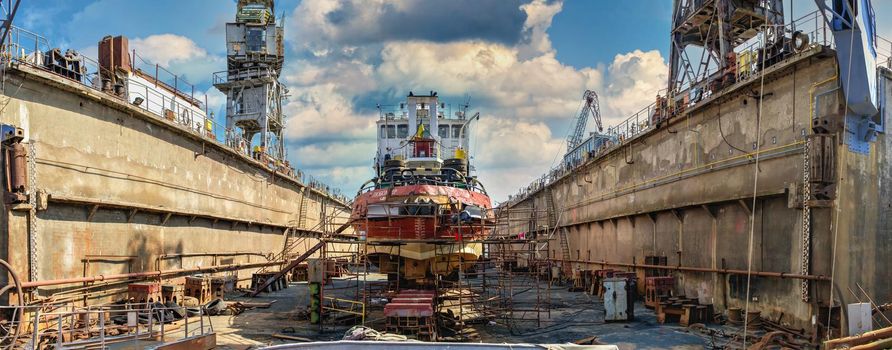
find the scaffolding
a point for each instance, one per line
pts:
(509, 282)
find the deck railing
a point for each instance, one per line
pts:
(812, 25)
(68, 326)
(166, 96)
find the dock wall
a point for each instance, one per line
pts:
(685, 191)
(113, 188)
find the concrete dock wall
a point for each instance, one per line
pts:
(685, 191)
(110, 179)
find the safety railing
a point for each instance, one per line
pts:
(158, 91)
(164, 77)
(812, 25)
(69, 326)
(884, 52)
(345, 306)
(245, 73)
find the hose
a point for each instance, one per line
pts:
(20, 309)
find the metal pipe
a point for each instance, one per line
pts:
(186, 255)
(702, 269)
(17, 283)
(148, 274)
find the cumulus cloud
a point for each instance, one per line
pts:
(528, 98)
(165, 48)
(635, 79)
(320, 113)
(323, 25)
(177, 52)
(526, 89)
(535, 28)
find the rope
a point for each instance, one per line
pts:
(749, 258)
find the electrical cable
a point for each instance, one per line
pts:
(722, 133)
(749, 258)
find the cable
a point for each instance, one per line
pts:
(749, 258)
(722, 133)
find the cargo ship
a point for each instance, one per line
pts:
(423, 211)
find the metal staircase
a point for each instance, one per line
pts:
(565, 249)
(302, 211)
(294, 237)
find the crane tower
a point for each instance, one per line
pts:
(254, 54)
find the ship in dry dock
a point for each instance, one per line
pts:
(422, 206)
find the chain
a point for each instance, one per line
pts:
(32, 213)
(806, 219)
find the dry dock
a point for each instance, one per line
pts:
(747, 207)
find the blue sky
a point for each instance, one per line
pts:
(525, 64)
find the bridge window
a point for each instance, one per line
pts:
(388, 131)
(443, 131)
(456, 131)
(402, 131)
(256, 39)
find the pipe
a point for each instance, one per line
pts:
(702, 269)
(187, 255)
(18, 286)
(856, 340)
(148, 274)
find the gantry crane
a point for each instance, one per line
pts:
(590, 106)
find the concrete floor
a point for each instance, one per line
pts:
(573, 316)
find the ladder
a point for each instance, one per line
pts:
(554, 215)
(302, 211)
(565, 249)
(551, 208)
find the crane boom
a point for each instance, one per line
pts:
(590, 106)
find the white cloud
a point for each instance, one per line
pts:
(216, 101)
(526, 96)
(165, 48)
(320, 113)
(635, 79)
(539, 15)
(331, 155)
(537, 88)
(177, 53)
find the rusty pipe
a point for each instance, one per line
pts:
(18, 168)
(702, 269)
(189, 255)
(18, 286)
(167, 256)
(148, 274)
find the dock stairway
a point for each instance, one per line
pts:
(294, 238)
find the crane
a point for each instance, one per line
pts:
(590, 106)
(6, 23)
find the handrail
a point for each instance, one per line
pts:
(183, 109)
(811, 24)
